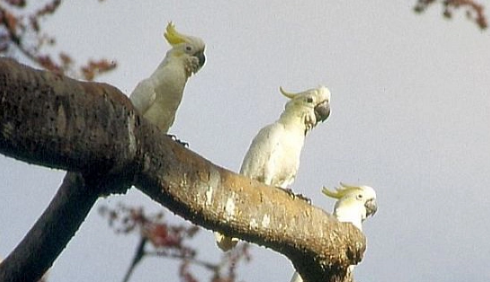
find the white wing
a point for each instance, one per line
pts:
(143, 96)
(262, 156)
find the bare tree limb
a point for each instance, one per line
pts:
(51, 233)
(93, 129)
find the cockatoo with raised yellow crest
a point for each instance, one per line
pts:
(158, 97)
(274, 155)
(354, 204)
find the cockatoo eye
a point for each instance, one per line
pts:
(309, 100)
(188, 48)
(359, 196)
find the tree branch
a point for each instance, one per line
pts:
(93, 129)
(51, 233)
(138, 255)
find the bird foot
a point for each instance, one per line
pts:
(294, 195)
(183, 143)
(304, 198)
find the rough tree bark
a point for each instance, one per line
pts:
(93, 131)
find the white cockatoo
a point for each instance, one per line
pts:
(354, 204)
(274, 155)
(158, 97)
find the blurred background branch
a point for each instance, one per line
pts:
(21, 34)
(474, 11)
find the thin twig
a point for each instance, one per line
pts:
(51, 233)
(138, 255)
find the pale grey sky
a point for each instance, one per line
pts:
(410, 117)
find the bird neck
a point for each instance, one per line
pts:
(169, 73)
(350, 214)
(175, 62)
(293, 120)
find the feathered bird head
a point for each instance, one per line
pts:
(354, 203)
(190, 48)
(312, 105)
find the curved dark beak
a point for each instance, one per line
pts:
(371, 207)
(322, 111)
(202, 59)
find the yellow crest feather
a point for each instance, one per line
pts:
(173, 37)
(339, 192)
(287, 94)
